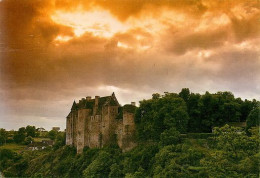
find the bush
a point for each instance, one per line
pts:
(199, 135)
(28, 140)
(168, 137)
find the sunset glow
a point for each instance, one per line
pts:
(54, 52)
(62, 38)
(98, 22)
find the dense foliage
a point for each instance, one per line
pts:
(211, 110)
(228, 153)
(159, 114)
(190, 112)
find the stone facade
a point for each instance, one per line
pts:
(100, 121)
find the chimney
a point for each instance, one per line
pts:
(88, 98)
(96, 105)
(96, 100)
(133, 103)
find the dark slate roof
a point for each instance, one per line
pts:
(103, 100)
(89, 104)
(112, 102)
(74, 106)
(106, 100)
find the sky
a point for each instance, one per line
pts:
(55, 52)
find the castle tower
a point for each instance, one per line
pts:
(96, 122)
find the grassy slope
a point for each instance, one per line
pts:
(13, 146)
(18, 147)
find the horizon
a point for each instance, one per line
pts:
(54, 52)
(63, 125)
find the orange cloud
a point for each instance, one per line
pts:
(54, 49)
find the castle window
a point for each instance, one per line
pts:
(97, 118)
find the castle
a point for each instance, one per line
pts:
(100, 121)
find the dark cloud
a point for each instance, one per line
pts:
(199, 40)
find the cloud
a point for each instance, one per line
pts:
(162, 46)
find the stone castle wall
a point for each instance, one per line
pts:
(102, 125)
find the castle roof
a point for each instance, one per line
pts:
(102, 101)
(74, 106)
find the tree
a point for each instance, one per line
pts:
(156, 96)
(3, 136)
(30, 131)
(194, 124)
(60, 140)
(28, 140)
(52, 134)
(246, 107)
(169, 137)
(232, 112)
(20, 135)
(185, 94)
(100, 166)
(253, 119)
(115, 171)
(236, 154)
(155, 115)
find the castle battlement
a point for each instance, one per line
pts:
(100, 121)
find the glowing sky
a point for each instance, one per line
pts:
(52, 52)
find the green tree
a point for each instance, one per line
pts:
(155, 115)
(169, 137)
(175, 160)
(3, 136)
(236, 154)
(245, 109)
(100, 167)
(52, 134)
(156, 96)
(232, 112)
(194, 124)
(115, 171)
(30, 131)
(28, 140)
(20, 135)
(253, 119)
(60, 140)
(185, 94)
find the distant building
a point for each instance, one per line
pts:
(37, 146)
(56, 128)
(100, 121)
(48, 142)
(40, 145)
